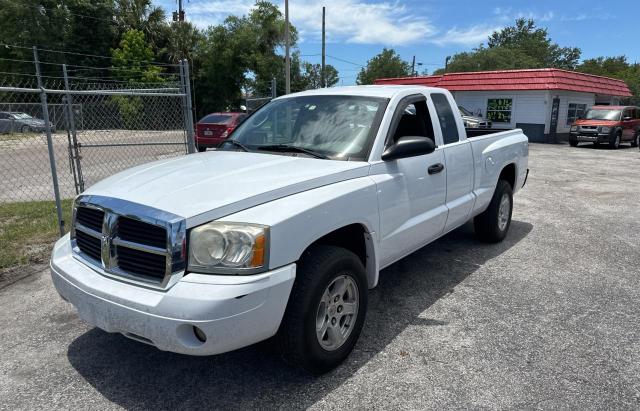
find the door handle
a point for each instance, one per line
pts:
(436, 168)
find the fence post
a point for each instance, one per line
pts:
(75, 153)
(52, 157)
(274, 90)
(191, 145)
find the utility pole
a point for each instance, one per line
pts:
(413, 66)
(446, 62)
(323, 80)
(287, 59)
(179, 15)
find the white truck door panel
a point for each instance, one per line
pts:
(411, 202)
(460, 172)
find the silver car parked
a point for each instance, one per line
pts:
(17, 122)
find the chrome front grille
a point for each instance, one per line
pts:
(129, 241)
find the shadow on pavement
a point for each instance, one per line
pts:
(134, 375)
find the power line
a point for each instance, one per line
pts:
(157, 63)
(345, 61)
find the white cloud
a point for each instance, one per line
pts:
(351, 21)
(508, 15)
(355, 21)
(470, 36)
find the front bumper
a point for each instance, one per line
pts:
(232, 311)
(591, 137)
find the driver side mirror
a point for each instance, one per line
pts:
(409, 146)
(626, 118)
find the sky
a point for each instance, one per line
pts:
(430, 30)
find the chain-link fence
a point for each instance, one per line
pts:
(254, 100)
(63, 131)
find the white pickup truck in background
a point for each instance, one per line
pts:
(283, 229)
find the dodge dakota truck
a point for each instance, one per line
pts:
(280, 233)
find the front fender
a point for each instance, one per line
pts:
(297, 221)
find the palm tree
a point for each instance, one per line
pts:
(144, 16)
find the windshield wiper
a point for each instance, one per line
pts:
(237, 144)
(298, 149)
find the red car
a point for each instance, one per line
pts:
(214, 128)
(607, 124)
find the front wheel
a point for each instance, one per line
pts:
(493, 224)
(614, 143)
(25, 129)
(573, 143)
(202, 149)
(326, 309)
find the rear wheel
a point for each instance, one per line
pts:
(202, 149)
(493, 224)
(614, 143)
(636, 140)
(326, 309)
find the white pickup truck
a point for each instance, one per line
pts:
(283, 229)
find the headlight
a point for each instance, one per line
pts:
(471, 124)
(574, 128)
(605, 129)
(228, 248)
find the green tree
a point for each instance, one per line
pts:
(81, 26)
(535, 42)
(615, 67)
(142, 15)
(184, 41)
(312, 75)
(386, 64)
(133, 60)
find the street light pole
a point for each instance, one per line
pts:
(287, 59)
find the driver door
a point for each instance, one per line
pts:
(412, 190)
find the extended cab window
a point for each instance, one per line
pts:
(447, 119)
(414, 120)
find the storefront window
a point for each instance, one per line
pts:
(499, 110)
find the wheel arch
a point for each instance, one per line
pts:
(509, 173)
(357, 238)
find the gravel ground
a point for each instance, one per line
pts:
(26, 173)
(549, 318)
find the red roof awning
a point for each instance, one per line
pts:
(533, 79)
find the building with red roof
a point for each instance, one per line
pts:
(543, 102)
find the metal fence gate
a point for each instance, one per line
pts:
(64, 131)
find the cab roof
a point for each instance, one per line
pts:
(612, 107)
(385, 91)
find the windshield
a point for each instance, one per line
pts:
(215, 119)
(603, 114)
(336, 127)
(21, 116)
(465, 112)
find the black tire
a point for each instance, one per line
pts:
(573, 143)
(202, 149)
(318, 267)
(25, 129)
(615, 140)
(487, 226)
(636, 140)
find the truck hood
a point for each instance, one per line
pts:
(210, 185)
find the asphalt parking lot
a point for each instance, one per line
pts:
(549, 318)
